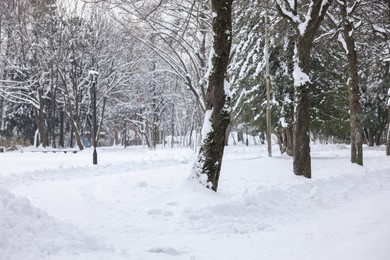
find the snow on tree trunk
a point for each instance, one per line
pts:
(353, 86)
(301, 146)
(40, 121)
(313, 13)
(208, 166)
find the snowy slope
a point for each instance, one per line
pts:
(139, 204)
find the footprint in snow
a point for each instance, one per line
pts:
(143, 184)
(165, 250)
(159, 212)
(172, 203)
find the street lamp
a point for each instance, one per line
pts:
(93, 75)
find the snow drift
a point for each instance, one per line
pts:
(30, 233)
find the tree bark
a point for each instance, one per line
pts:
(53, 119)
(301, 134)
(301, 146)
(40, 121)
(61, 142)
(304, 35)
(281, 142)
(370, 137)
(289, 140)
(353, 87)
(218, 110)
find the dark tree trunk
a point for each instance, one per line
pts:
(281, 142)
(217, 116)
(40, 121)
(353, 87)
(61, 142)
(304, 35)
(71, 137)
(240, 136)
(378, 138)
(227, 135)
(370, 137)
(301, 145)
(289, 139)
(53, 119)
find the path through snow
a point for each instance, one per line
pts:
(138, 204)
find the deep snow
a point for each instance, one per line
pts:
(140, 204)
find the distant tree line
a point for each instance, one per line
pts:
(47, 51)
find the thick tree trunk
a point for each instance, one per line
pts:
(304, 35)
(353, 88)
(301, 146)
(208, 166)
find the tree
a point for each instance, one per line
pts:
(29, 72)
(217, 117)
(305, 31)
(177, 31)
(253, 22)
(374, 46)
(348, 43)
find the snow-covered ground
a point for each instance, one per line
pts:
(139, 204)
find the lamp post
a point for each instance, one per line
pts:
(93, 75)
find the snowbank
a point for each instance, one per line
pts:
(142, 205)
(29, 233)
(263, 207)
